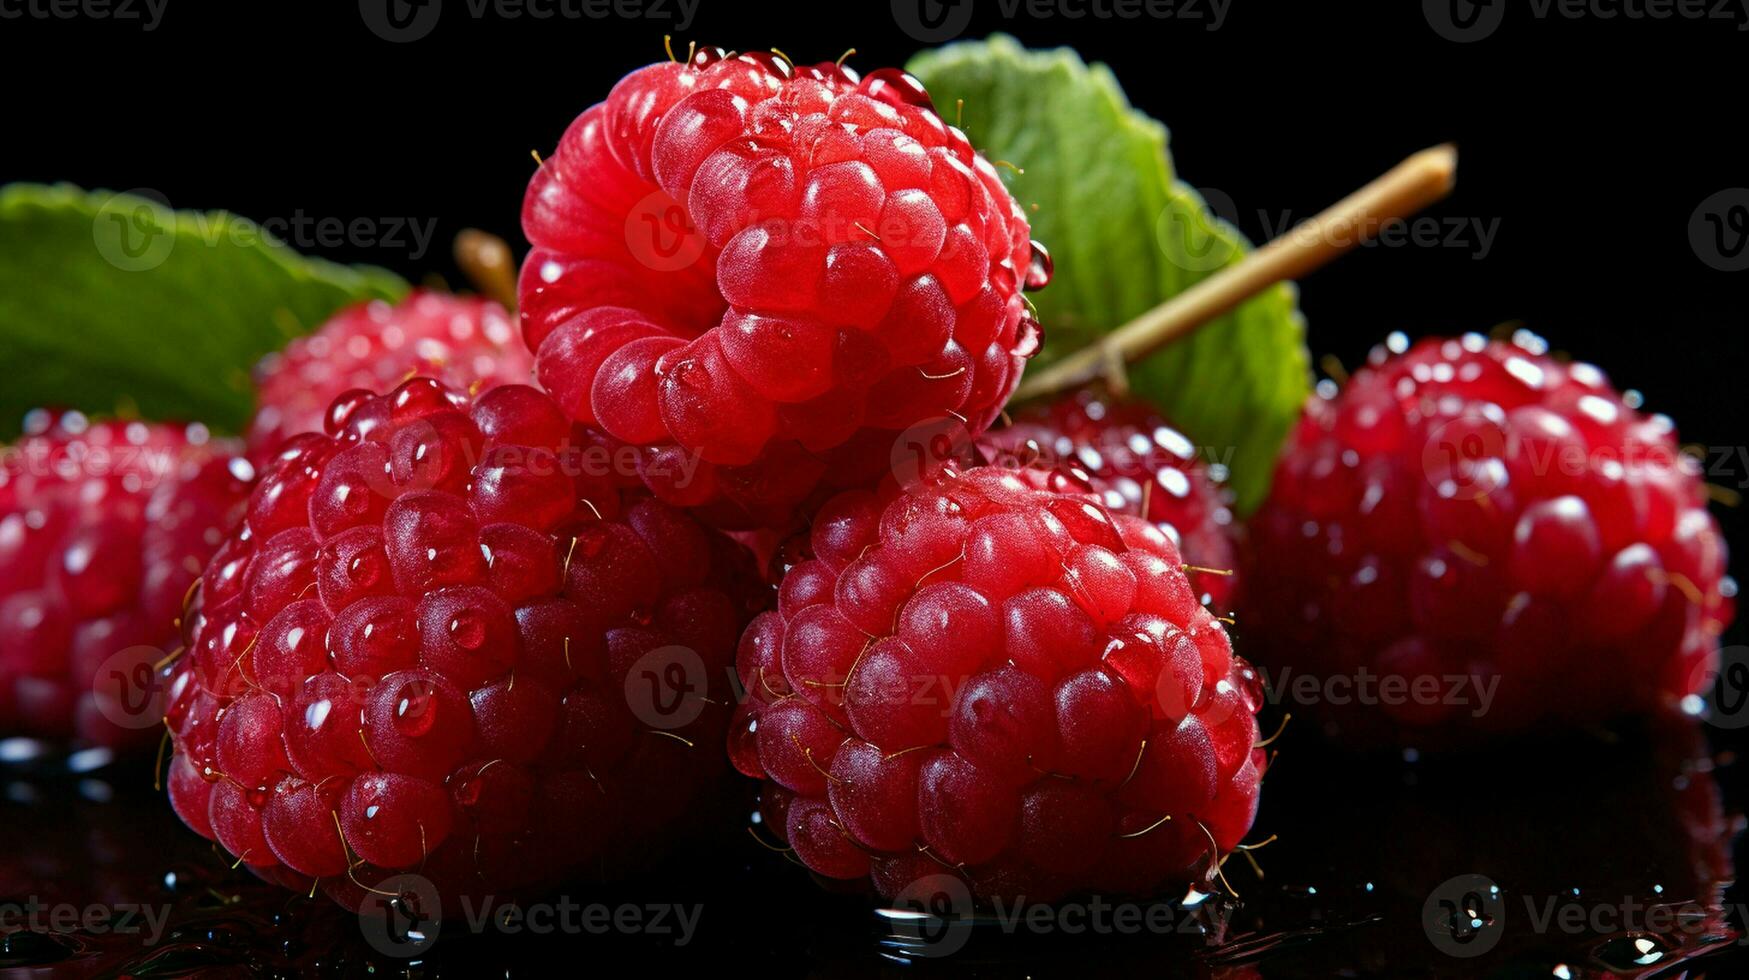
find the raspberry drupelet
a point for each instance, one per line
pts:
(1475, 509)
(466, 342)
(774, 269)
(978, 678)
(103, 528)
(449, 638)
(1138, 463)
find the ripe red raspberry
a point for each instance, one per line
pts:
(1138, 464)
(1473, 508)
(447, 639)
(103, 528)
(465, 342)
(1011, 685)
(776, 270)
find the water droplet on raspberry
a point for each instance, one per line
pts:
(467, 630)
(1028, 337)
(896, 87)
(415, 708)
(1039, 268)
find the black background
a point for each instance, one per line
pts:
(1586, 145)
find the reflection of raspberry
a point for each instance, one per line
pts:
(1475, 508)
(1665, 848)
(103, 527)
(775, 269)
(1133, 458)
(465, 342)
(444, 640)
(1008, 684)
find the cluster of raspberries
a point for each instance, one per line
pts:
(484, 608)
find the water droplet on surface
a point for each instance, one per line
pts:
(1630, 952)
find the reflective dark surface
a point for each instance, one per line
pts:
(1590, 141)
(1605, 853)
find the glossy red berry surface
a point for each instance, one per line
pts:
(774, 270)
(465, 342)
(1012, 686)
(1469, 513)
(1137, 463)
(103, 528)
(449, 638)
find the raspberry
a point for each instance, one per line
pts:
(1473, 508)
(447, 639)
(1011, 685)
(103, 528)
(774, 270)
(1138, 464)
(465, 342)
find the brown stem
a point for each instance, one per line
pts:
(1405, 189)
(486, 261)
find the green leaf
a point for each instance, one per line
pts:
(113, 302)
(1126, 234)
